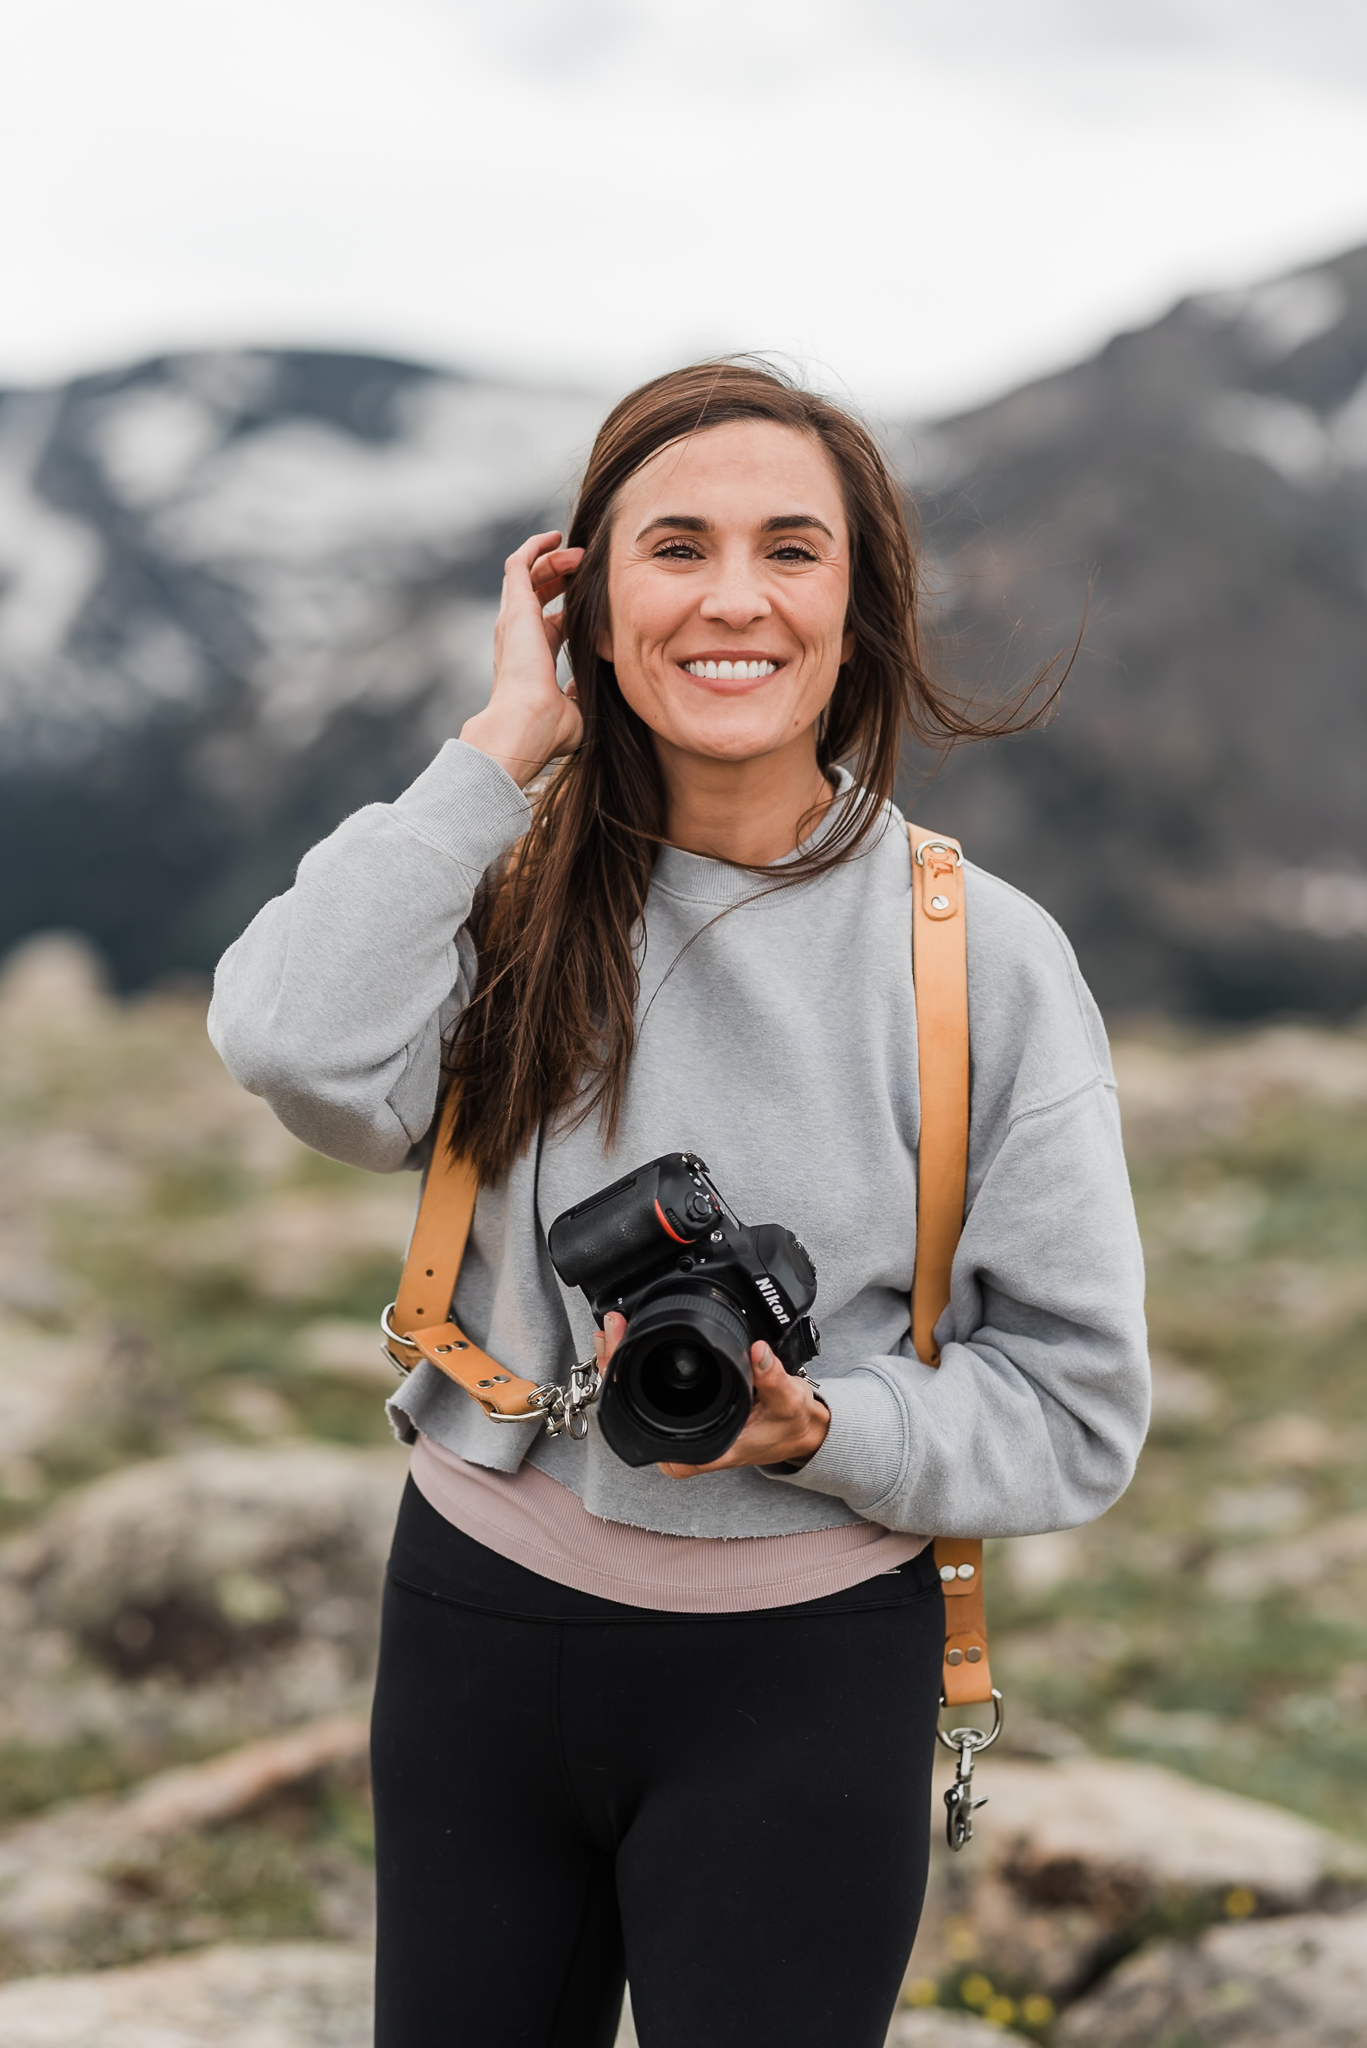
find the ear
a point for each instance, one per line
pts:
(847, 649)
(603, 646)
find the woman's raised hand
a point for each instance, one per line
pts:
(529, 720)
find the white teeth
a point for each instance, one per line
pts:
(730, 671)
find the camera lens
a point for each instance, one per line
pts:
(681, 1380)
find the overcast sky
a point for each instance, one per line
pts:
(928, 200)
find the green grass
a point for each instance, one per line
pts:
(1257, 1245)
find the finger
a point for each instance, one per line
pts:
(535, 545)
(771, 1381)
(558, 562)
(726, 1464)
(517, 569)
(614, 1329)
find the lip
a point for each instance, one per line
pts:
(734, 654)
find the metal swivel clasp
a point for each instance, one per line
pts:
(967, 1744)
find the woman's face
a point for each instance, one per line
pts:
(728, 586)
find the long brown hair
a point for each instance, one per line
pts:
(552, 1022)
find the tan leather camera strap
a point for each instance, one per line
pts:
(940, 971)
(417, 1324)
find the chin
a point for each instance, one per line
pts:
(726, 739)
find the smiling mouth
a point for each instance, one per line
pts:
(730, 671)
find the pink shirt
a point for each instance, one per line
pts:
(534, 1520)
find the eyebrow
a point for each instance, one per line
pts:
(781, 522)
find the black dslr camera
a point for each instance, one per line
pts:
(697, 1288)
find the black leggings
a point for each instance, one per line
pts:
(732, 1810)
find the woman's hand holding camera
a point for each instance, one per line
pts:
(787, 1422)
(529, 720)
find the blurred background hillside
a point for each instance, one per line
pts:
(244, 592)
(309, 314)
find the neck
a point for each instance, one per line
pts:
(750, 812)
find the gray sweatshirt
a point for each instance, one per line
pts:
(782, 1048)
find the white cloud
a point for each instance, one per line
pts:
(927, 202)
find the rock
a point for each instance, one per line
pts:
(44, 1381)
(1039, 1564)
(1075, 1861)
(350, 1350)
(1100, 1825)
(935, 2029)
(1181, 1394)
(64, 1877)
(1301, 1980)
(51, 980)
(1256, 1510)
(291, 1995)
(194, 1564)
(1301, 1443)
(1328, 1563)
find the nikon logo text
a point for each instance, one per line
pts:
(773, 1297)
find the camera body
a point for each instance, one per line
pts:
(698, 1288)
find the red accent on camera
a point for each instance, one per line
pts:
(666, 1229)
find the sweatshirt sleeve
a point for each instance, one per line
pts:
(1035, 1416)
(333, 1002)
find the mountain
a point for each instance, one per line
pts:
(241, 593)
(1196, 816)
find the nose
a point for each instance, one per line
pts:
(735, 597)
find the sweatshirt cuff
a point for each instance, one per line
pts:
(863, 1457)
(465, 805)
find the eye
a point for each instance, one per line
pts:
(678, 551)
(793, 551)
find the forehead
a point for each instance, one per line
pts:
(740, 473)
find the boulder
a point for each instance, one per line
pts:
(1077, 1861)
(1327, 1565)
(44, 1381)
(286, 1995)
(66, 1879)
(191, 1565)
(1301, 1980)
(939, 2029)
(930, 2029)
(290, 1995)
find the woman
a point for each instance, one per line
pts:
(678, 1722)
